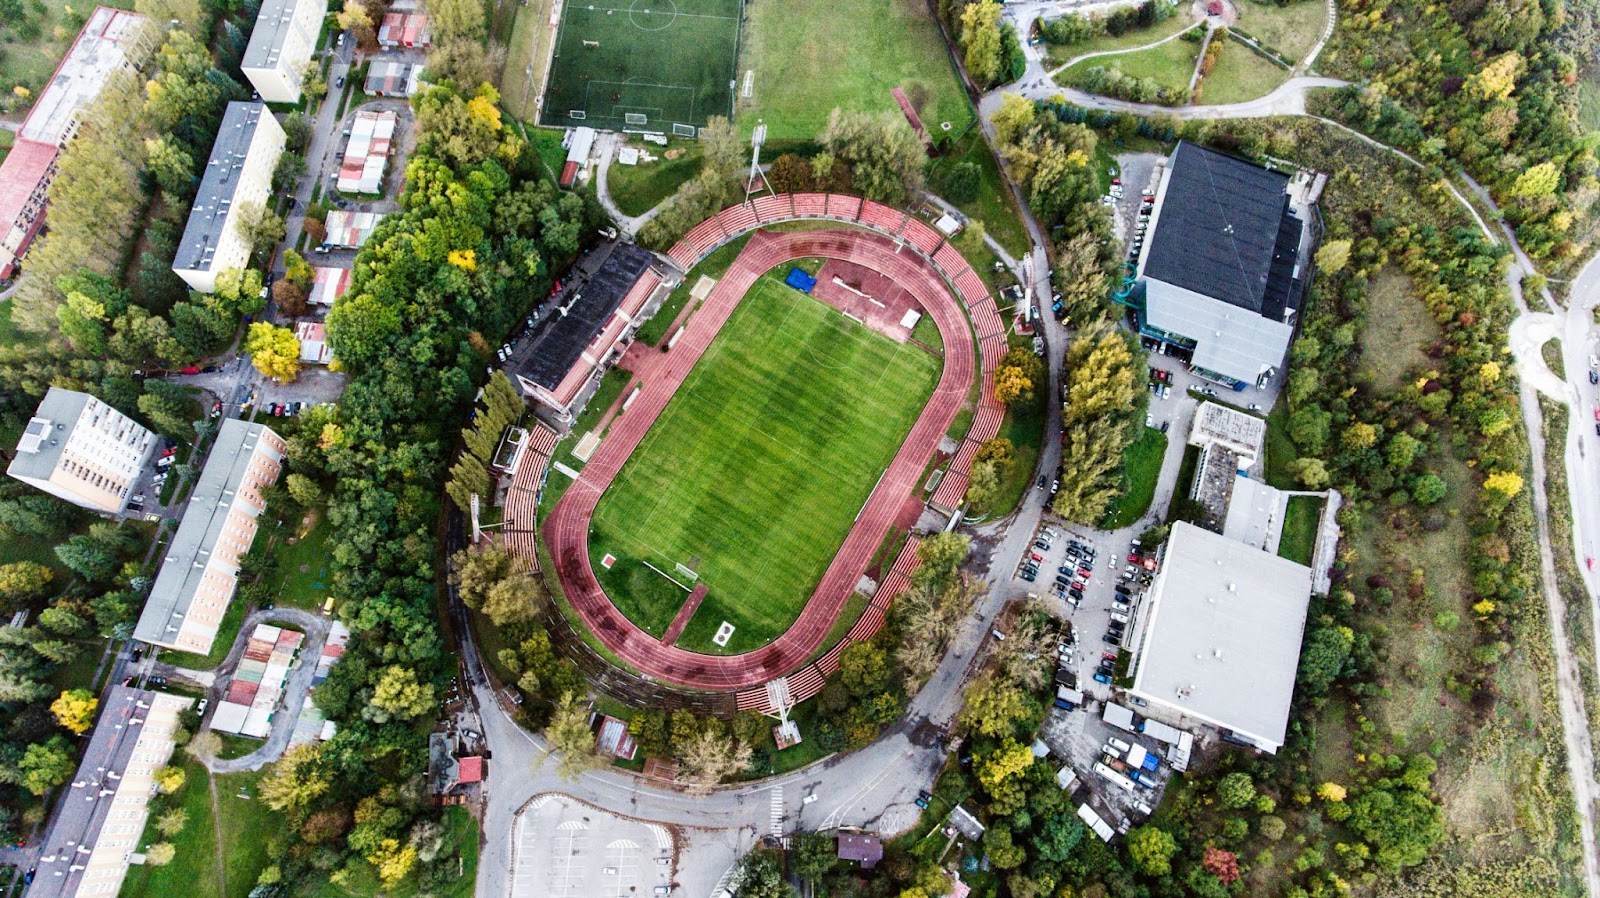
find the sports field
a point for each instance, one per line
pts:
(643, 65)
(810, 56)
(757, 468)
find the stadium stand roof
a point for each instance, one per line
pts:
(551, 353)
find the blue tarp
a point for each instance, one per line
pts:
(800, 280)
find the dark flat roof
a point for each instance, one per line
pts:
(1221, 223)
(551, 352)
(209, 215)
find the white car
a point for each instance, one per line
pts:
(1120, 746)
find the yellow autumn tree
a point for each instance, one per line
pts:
(464, 259)
(1506, 483)
(274, 350)
(74, 709)
(394, 861)
(1331, 791)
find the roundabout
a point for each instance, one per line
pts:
(883, 240)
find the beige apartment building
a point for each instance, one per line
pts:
(200, 571)
(83, 451)
(281, 44)
(239, 173)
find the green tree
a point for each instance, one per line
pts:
(993, 707)
(260, 227)
(571, 738)
(1236, 790)
(296, 780)
(170, 164)
(398, 695)
(169, 407)
(1151, 849)
(45, 765)
(23, 581)
(886, 158)
(1428, 489)
(980, 42)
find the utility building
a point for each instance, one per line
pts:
(81, 450)
(239, 174)
(1222, 276)
(280, 47)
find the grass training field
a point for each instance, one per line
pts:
(1241, 74)
(757, 468)
(643, 65)
(810, 56)
(1170, 65)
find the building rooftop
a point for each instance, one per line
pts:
(1216, 230)
(99, 50)
(87, 804)
(1244, 433)
(24, 167)
(203, 521)
(1221, 640)
(547, 357)
(218, 184)
(1255, 514)
(864, 848)
(45, 437)
(272, 28)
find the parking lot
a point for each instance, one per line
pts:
(1079, 739)
(563, 848)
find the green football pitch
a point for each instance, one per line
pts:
(643, 65)
(755, 471)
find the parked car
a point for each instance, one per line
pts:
(158, 681)
(1029, 576)
(1108, 639)
(924, 797)
(1102, 678)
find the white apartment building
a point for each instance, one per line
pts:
(281, 44)
(238, 173)
(81, 450)
(200, 570)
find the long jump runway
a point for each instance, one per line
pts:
(567, 529)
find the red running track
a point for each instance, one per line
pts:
(567, 529)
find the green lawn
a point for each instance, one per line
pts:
(528, 50)
(302, 575)
(994, 205)
(1170, 65)
(758, 466)
(547, 143)
(1280, 449)
(1300, 528)
(227, 632)
(1240, 74)
(1291, 29)
(244, 826)
(1589, 103)
(1138, 37)
(670, 61)
(810, 56)
(637, 189)
(1397, 331)
(1141, 468)
(611, 384)
(461, 837)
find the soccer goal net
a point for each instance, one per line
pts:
(635, 118)
(682, 130)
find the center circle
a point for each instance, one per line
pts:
(639, 16)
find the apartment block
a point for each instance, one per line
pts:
(81, 450)
(281, 44)
(239, 173)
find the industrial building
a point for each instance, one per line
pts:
(580, 142)
(101, 816)
(280, 47)
(1220, 636)
(112, 41)
(79, 449)
(366, 155)
(200, 571)
(239, 174)
(1222, 277)
(558, 364)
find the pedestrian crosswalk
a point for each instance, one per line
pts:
(777, 811)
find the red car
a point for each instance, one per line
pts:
(192, 369)
(1084, 572)
(1133, 558)
(1035, 556)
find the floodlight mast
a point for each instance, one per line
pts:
(756, 181)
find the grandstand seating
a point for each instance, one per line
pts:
(923, 237)
(811, 205)
(773, 208)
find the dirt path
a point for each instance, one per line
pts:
(216, 832)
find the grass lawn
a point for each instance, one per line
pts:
(639, 188)
(927, 333)
(1141, 467)
(527, 51)
(1551, 353)
(994, 205)
(1240, 74)
(1398, 326)
(303, 569)
(1280, 449)
(714, 266)
(547, 143)
(765, 455)
(227, 632)
(1169, 65)
(1059, 55)
(1291, 30)
(461, 837)
(611, 384)
(1300, 529)
(7, 140)
(244, 826)
(1589, 103)
(669, 61)
(810, 56)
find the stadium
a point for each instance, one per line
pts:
(786, 428)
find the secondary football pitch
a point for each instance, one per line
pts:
(644, 65)
(757, 468)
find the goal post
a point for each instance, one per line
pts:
(635, 118)
(683, 130)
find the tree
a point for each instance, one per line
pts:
(169, 779)
(169, 407)
(160, 854)
(89, 558)
(1019, 374)
(45, 765)
(1333, 256)
(1236, 790)
(295, 780)
(355, 19)
(296, 270)
(172, 822)
(398, 695)
(570, 736)
(170, 164)
(993, 706)
(259, 227)
(313, 85)
(1224, 865)
(23, 581)
(980, 42)
(760, 875)
(1326, 652)
(305, 491)
(393, 860)
(1428, 489)
(886, 159)
(74, 709)
(456, 20)
(275, 351)
(712, 756)
(1151, 850)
